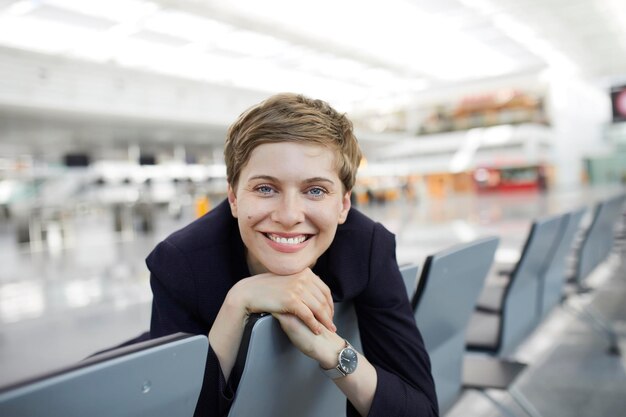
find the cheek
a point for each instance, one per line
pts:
(247, 227)
(328, 220)
(250, 214)
(248, 219)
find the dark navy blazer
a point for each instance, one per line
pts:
(194, 268)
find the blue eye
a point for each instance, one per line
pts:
(264, 189)
(317, 191)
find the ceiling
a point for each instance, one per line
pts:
(350, 51)
(366, 57)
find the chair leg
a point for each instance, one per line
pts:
(523, 402)
(609, 330)
(504, 409)
(598, 323)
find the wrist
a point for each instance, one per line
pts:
(331, 345)
(229, 322)
(235, 302)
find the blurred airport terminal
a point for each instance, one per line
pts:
(476, 117)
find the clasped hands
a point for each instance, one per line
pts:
(303, 305)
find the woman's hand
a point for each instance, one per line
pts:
(358, 387)
(321, 347)
(303, 295)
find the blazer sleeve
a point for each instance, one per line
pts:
(391, 340)
(175, 309)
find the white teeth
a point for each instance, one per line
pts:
(287, 241)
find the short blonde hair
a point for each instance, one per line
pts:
(288, 117)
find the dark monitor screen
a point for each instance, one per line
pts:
(157, 378)
(147, 159)
(76, 160)
(618, 102)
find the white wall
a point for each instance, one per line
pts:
(579, 111)
(31, 82)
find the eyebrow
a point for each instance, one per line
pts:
(307, 181)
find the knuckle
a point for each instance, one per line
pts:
(308, 315)
(292, 299)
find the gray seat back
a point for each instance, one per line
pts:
(552, 282)
(158, 378)
(280, 381)
(409, 276)
(448, 288)
(519, 303)
(599, 238)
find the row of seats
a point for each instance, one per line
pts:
(493, 313)
(460, 309)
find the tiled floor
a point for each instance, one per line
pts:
(59, 304)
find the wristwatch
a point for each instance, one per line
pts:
(347, 362)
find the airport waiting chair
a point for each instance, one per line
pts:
(484, 373)
(506, 313)
(409, 276)
(158, 378)
(276, 380)
(553, 281)
(598, 240)
(594, 248)
(620, 232)
(448, 287)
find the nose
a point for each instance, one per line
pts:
(289, 210)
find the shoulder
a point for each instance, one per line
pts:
(360, 230)
(207, 239)
(353, 256)
(212, 229)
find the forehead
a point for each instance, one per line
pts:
(292, 157)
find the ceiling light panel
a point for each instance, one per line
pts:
(395, 31)
(116, 10)
(187, 26)
(251, 44)
(160, 38)
(71, 18)
(39, 35)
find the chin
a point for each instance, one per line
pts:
(285, 268)
(281, 270)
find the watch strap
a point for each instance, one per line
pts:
(334, 373)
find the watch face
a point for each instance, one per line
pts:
(348, 360)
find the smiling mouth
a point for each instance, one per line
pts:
(294, 240)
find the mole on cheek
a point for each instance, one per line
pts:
(249, 217)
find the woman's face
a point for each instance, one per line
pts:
(288, 202)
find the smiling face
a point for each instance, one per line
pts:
(288, 202)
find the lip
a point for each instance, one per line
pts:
(285, 247)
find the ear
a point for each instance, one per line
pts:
(345, 207)
(232, 200)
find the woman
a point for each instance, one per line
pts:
(287, 242)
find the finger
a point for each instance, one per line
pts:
(329, 300)
(324, 296)
(320, 309)
(308, 287)
(308, 318)
(323, 293)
